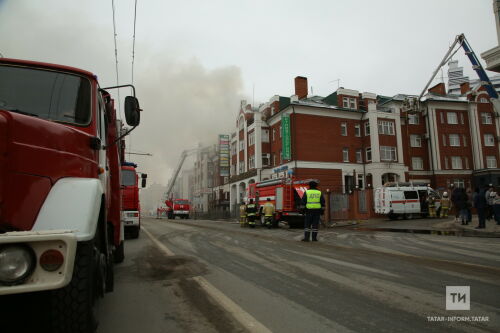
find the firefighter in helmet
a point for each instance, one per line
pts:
(431, 202)
(445, 205)
(243, 214)
(314, 207)
(268, 211)
(251, 213)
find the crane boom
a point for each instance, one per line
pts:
(171, 183)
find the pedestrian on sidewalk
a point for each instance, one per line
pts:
(481, 205)
(496, 206)
(489, 202)
(243, 214)
(462, 205)
(455, 194)
(445, 205)
(470, 200)
(314, 203)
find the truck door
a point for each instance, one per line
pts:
(412, 205)
(398, 202)
(101, 135)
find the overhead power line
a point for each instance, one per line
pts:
(116, 56)
(133, 41)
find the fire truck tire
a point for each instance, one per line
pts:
(119, 254)
(72, 306)
(393, 216)
(135, 232)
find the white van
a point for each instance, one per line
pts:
(404, 200)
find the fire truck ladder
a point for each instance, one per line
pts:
(171, 183)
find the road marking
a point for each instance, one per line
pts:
(240, 315)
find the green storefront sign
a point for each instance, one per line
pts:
(285, 138)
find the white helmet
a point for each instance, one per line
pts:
(445, 194)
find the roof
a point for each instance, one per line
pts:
(47, 66)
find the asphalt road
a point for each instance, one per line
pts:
(208, 276)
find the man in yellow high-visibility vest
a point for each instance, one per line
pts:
(314, 207)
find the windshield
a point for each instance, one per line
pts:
(181, 202)
(46, 94)
(128, 178)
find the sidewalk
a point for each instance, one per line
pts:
(443, 226)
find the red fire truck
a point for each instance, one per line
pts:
(178, 207)
(286, 195)
(60, 200)
(131, 206)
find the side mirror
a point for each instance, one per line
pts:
(143, 184)
(132, 111)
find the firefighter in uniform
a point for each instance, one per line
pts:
(445, 205)
(251, 213)
(268, 211)
(431, 201)
(314, 207)
(243, 214)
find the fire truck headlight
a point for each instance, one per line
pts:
(17, 262)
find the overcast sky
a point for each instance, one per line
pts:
(196, 59)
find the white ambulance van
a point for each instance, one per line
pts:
(404, 200)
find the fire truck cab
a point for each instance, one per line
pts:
(404, 200)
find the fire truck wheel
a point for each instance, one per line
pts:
(72, 306)
(119, 254)
(393, 216)
(135, 232)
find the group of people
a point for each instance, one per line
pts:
(312, 201)
(486, 201)
(249, 213)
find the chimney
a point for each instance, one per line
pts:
(438, 89)
(464, 88)
(301, 87)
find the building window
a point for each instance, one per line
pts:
(413, 119)
(456, 162)
(441, 115)
(452, 118)
(242, 145)
(357, 130)
(345, 102)
(274, 134)
(360, 181)
(265, 135)
(388, 154)
(486, 118)
(459, 183)
(483, 100)
(461, 118)
(491, 162)
(352, 103)
(233, 169)
(251, 138)
(241, 123)
(242, 167)
(281, 130)
(233, 148)
(415, 140)
(359, 156)
(367, 128)
(368, 154)
(464, 140)
(466, 162)
(444, 140)
(489, 140)
(251, 162)
(454, 140)
(345, 154)
(446, 165)
(417, 163)
(265, 160)
(343, 129)
(386, 127)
